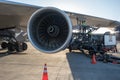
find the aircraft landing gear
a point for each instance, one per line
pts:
(21, 46)
(9, 41)
(14, 46)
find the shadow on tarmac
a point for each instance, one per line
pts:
(82, 69)
(75, 60)
(3, 54)
(6, 53)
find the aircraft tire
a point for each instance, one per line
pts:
(21, 47)
(24, 46)
(11, 47)
(4, 45)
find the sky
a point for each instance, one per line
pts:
(109, 9)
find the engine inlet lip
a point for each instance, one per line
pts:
(30, 29)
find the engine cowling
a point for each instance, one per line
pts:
(49, 30)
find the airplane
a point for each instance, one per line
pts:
(49, 29)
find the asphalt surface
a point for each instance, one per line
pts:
(60, 66)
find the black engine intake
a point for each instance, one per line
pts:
(49, 30)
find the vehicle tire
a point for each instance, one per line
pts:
(70, 50)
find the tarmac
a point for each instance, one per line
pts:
(63, 65)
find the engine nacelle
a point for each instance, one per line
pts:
(49, 30)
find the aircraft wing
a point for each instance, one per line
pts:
(14, 14)
(92, 20)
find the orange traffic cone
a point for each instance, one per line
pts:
(45, 74)
(93, 59)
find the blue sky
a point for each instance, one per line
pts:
(109, 9)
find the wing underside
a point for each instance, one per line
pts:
(17, 14)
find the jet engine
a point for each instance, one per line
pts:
(49, 30)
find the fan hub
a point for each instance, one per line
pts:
(53, 30)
